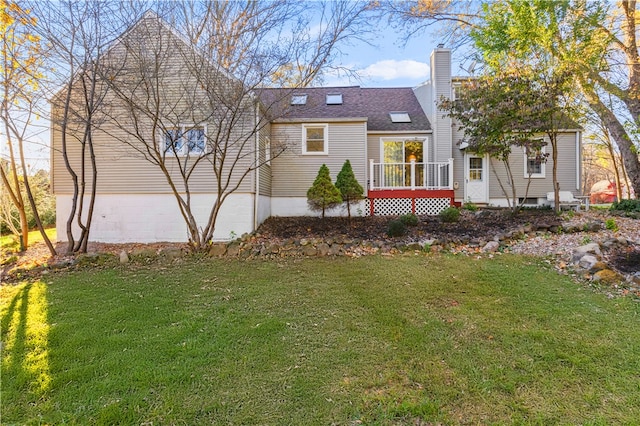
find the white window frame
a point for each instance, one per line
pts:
(299, 99)
(400, 117)
(184, 150)
(267, 150)
(325, 128)
(542, 173)
(334, 99)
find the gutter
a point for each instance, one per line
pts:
(257, 170)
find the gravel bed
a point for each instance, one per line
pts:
(562, 245)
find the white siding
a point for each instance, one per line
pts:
(146, 218)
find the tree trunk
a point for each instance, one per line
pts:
(24, 229)
(632, 100)
(619, 135)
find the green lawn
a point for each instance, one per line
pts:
(10, 243)
(376, 340)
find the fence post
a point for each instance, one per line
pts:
(413, 174)
(371, 176)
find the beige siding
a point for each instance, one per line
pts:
(181, 98)
(441, 79)
(294, 173)
(123, 169)
(265, 170)
(539, 186)
(458, 163)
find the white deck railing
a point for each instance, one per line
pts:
(411, 175)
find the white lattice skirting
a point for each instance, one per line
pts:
(400, 206)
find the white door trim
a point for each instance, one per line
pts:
(481, 192)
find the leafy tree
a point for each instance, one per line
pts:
(22, 56)
(496, 114)
(594, 42)
(348, 186)
(323, 194)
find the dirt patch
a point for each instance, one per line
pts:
(626, 259)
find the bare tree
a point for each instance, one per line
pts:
(450, 20)
(186, 97)
(77, 34)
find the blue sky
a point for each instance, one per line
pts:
(389, 63)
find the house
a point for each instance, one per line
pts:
(404, 151)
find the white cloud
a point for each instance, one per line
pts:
(391, 69)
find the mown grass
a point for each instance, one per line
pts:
(10, 243)
(375, 340)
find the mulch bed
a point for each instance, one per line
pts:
(484, 224)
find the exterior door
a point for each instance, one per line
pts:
(476, 179)
(397, 155)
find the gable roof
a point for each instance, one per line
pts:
(371, 104)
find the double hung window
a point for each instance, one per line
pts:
(315, 139)
(184, 140)
(534, 163)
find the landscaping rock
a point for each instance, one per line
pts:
(233, 249)
(171, 253)
(591, 248)
(309, 250)
(414, 246)
(323, 249)
(145, 252)
(588, 261)
(124, 257)
(218, 249)
(491, 247)
(607, 276)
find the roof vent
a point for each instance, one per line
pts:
(299, 99)
(334, 99)
(400, 117)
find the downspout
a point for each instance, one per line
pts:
(578, 163)
(257, 172)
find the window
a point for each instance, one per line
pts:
(314, 139)
(400, 117)
(185, 140)
(475, 169)
(534, 162)
(299, 100)
(457, 91)
(267, 150)
(334, 99)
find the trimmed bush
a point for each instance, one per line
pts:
(409, 219)
(450, 215)
(396, 228)
(627, 206)
(323, 194)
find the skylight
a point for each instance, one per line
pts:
(400, 117)
(334, 99)
(299, 99)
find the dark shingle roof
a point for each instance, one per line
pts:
(372, 104)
